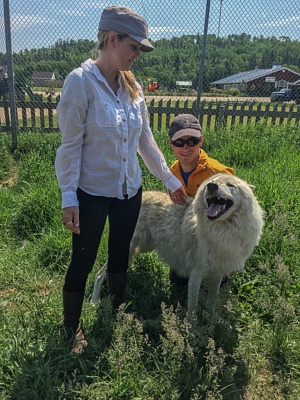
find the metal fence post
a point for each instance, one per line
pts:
(220, 116)
(201, 72)
(11, 86)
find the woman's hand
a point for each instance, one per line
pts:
(70, 219)
(179, 196)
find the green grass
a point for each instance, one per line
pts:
(153, 352)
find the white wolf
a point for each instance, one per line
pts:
(212, 236)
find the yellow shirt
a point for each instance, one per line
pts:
(206, 168)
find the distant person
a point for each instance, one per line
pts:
(103, 120)
(193, 166)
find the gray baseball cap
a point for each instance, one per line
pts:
(125, 20)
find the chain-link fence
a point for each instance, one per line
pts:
(209, 50)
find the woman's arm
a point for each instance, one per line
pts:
(71, 114)
(156, 163)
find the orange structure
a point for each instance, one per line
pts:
(151, 85)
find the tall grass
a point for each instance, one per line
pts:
(148, 350)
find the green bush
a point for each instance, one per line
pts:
(233, 92)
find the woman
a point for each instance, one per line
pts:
(103, 119)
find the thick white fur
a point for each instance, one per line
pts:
(192, 244)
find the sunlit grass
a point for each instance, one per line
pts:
(150, 351)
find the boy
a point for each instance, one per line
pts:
(193, 166)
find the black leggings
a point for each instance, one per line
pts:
(93, 212)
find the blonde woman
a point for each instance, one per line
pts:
(103, 120)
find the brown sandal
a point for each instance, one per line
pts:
(79, 342)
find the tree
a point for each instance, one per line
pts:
(174, 59)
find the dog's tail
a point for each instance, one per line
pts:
(100, 278)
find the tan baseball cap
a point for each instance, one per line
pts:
(184, 125)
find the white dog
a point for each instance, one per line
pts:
(212, 236)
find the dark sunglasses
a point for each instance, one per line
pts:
(191, 142)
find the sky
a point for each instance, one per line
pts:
(40, 23)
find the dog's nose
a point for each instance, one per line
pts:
(212, 187)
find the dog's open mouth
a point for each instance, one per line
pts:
(217, 207)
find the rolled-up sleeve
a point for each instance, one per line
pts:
(153, 157)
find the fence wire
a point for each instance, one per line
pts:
(251, 49)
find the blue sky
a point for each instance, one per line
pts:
(40, 23)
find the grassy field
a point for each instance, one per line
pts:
(149, 351)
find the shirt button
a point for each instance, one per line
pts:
(124, 119)
(118, 101)
(125, 140)
(124, 159)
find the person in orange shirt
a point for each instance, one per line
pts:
(193, 166)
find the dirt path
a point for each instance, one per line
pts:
(193, 98)
(19, 112)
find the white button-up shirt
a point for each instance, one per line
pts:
(101, 135)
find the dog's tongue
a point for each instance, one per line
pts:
(213, 210)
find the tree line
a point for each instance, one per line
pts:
(176, 59)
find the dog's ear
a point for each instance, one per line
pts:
(252, 187)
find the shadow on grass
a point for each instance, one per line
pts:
(151, 331)
(149, 292)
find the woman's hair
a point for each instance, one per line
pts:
(128, 78)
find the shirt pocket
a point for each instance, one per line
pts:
(104, 115)
(135, 120)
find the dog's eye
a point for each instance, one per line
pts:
(230, 185)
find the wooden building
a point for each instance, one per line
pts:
(42, 78)
(261, 82)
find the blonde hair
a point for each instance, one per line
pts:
(127, 77)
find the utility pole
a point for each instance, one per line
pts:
(10, 73)
(220, 14)
(201, 72)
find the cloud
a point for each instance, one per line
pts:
(94, 4)
(20, 21)
(156, 32)
(282, 22)
(75, 13)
